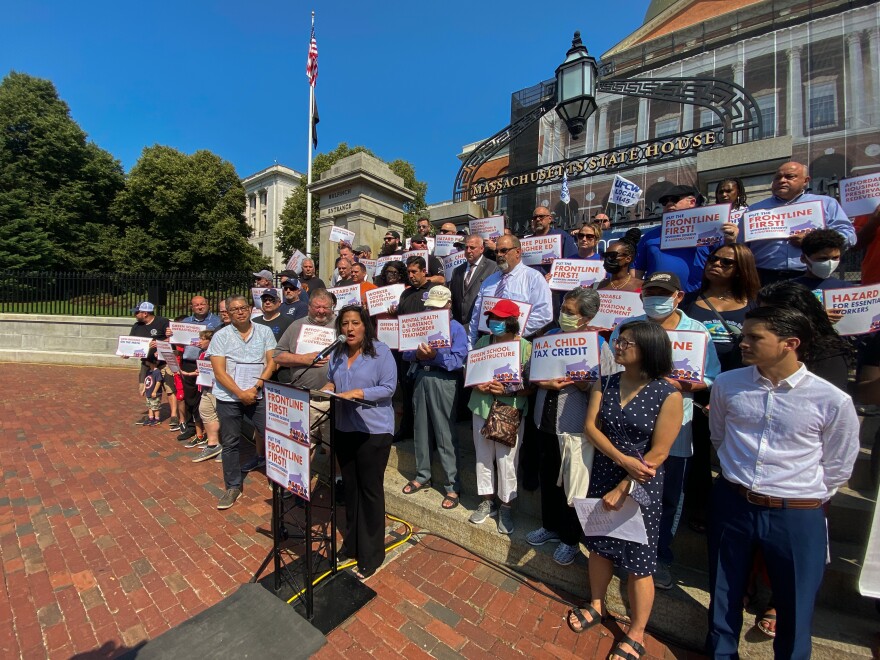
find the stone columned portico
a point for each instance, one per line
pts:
(363, 195)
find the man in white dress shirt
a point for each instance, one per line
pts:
(786, 440)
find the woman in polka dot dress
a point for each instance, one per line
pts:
(633, 418)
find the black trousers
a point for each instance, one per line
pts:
(231, 414)
(405, 386)
(191, 397)
(556, 515)
(698, 491)
(362, 459)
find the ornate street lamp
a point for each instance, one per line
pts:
(576, 87)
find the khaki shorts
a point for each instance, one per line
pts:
(168, 381)
(208, 408)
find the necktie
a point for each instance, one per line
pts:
(468, 275)
(502, 286)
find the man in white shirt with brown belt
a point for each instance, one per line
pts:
(786, 440)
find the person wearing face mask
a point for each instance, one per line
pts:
(821, 252)
(617, 260)
(560, 408)
(661, 295)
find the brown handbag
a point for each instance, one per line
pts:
(502, 424)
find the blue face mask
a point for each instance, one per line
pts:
(497, 327)
(658, 306)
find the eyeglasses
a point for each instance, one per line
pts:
(539, 216)
(584, 237)
(237, 310)
(623, 344)
(503, 251)
(714, 259)
(389, 238)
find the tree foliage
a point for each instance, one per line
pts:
(183, 212)
(292, 231)
(56, 187)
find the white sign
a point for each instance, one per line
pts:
(450, 263)
(314, 338)
(444, 244)
(860, 195)
(133, 346)
(295, 261)
(428, 239)
(383, 297)
(783, 221)
(688, 355)
(540, 250)
(256, 292)
(860, 306)
(415, 253)
(370, 265)
(168, 355)
(341, 235)
(288, 438)
(624, 192)
(616, 307)
(346, 295)
(491, 227)
(696, 227)
(185, 333)
(499, 362)
(571, 355)
(382, 260)
(431, 328)
(568, 274)
(387, 331)
(489, 302)
(627, 523)
(206, 373)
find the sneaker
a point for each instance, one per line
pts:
(541, 536)
(142, 421)
(487, 509)
(186, 432)
(565, 554)
(254, 464)
(662, 577)
(151, 422)
(196, 441)
(207, 452)
(505, 520)
(173, 424)
(229, 498)
(219, 458)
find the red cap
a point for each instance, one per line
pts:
(504, 309)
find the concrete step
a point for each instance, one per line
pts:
(850, 515)
(861, 475)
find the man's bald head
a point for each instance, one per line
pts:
(790, 180)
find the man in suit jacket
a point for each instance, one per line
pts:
(468, 278)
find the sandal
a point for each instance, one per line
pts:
(414, 487)
(362, 574)
(618, 652)
(766, 618)
(578, 612)
(450, 501)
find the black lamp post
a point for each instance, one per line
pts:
(576, 87)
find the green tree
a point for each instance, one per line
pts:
(183, 213)
(56, 187)
(292, 231)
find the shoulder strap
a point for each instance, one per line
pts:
(733, 332)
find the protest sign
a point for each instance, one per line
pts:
(572, 355)
(860, 195)
(491, 227)
(415, 253)
(346, 295)
(185, 333)
(388, 258)
(431, 328)
(287, 464)
(694, 227)
(568, 274)
(370, 265)
(428, 239)
(860, 306)
(624, 192)
(538, 250)
(256, 292)
(206, 373)
(167, 353)
(489, 302)
(133, 346)
(783, 221)
(737, 214)
(499, 362)
(287, 438)
(444, 244)
(380, 299)
(688, 355)
(387, 331)
(314, 338)
(340, 235)
(627, 523)
(287, 412)
(295, 261)
(616, 307)
(450, 263)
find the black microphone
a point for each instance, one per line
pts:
(340, 339)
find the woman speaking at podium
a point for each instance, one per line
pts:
(362, 368)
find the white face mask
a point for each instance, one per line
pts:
(822, 269)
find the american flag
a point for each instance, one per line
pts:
(312, 62)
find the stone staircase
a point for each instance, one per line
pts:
(845, 624)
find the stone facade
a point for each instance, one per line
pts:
(266, 191)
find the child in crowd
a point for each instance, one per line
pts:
(151, 388)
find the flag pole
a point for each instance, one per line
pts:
(309, 171)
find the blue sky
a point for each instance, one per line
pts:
(408, 80)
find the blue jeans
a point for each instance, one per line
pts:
(230, 414)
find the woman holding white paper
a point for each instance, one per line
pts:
(632, 418)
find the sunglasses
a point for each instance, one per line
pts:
(538, 217)
(714, 259)
(610, 254)
(587, 236)
(389, 238)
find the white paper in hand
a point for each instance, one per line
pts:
(627, 524)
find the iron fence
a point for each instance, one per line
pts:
(114, 294)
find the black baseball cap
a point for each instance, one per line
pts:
(678, 192)
(663, 280)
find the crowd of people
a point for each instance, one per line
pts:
(772, 403)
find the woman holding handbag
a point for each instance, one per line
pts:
(499, 412)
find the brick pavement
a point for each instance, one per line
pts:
(109, 536)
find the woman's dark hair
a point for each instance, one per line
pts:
(369, 330)
(396, 266)
(629, 241)
(822, 239)
(745, 282)
(792, 295)
(511, 324)
(654, 347)
(786, 322)
(741, 199)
